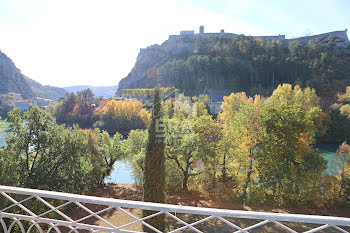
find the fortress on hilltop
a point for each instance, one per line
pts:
(339, 36)
(184, 44)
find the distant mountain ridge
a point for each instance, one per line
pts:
(103, 91)
(12, 80)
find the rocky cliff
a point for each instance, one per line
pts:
(12, 80)
(143, 74)
(46, 91)
(149, 59)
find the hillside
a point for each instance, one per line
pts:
(12, 80)
(103, 91)
(221, 62)
(46, 91)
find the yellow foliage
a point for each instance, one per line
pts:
(125, 108)
(232, 104)
(285, 94)
(145, 116)
(303, 144)
(345, 97)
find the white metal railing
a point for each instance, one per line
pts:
(17, 215)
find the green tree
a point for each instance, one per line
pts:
(110, 150)
(8, 99)
(44, 155)
(242, 128)
(154, 173)
(247, 128)
(182, 139)
(207, 164)
(339, 112)
(289, 168)
(134, 149)
(63, 110)
(76, 109)
(181, 148)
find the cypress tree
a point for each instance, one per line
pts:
(154, 173)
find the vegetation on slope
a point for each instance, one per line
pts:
(257, 66)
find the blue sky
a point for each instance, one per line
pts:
(96, 42)
(292, 18)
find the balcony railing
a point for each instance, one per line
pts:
(30, 210)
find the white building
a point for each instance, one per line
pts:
(41, 102)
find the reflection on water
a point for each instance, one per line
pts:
(122, 174)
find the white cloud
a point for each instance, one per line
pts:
(95, 42)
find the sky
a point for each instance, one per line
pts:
(96, 42)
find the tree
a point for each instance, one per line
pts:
(9, 99)
(134, 149)
(182, 148)
(83, 111)
(154, 173)
(289, 168)
(77, 109)
(232, 104)
(110, 150)
(63, 110)
(87, 96)
(242, 128)
(122, 116)
(225, 153)
(257, 66)
(247, 128)
(206, 163)
(343, 154)
(339, 113)
(44, 155)
(41, 154)
(182, 139)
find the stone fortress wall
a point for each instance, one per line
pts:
(340, 36)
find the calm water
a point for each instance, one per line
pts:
(122, 173)
(329, 151)
(2, 133)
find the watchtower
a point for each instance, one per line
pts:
(201, 29)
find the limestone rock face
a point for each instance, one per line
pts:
(143, 74)
(12, 80)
